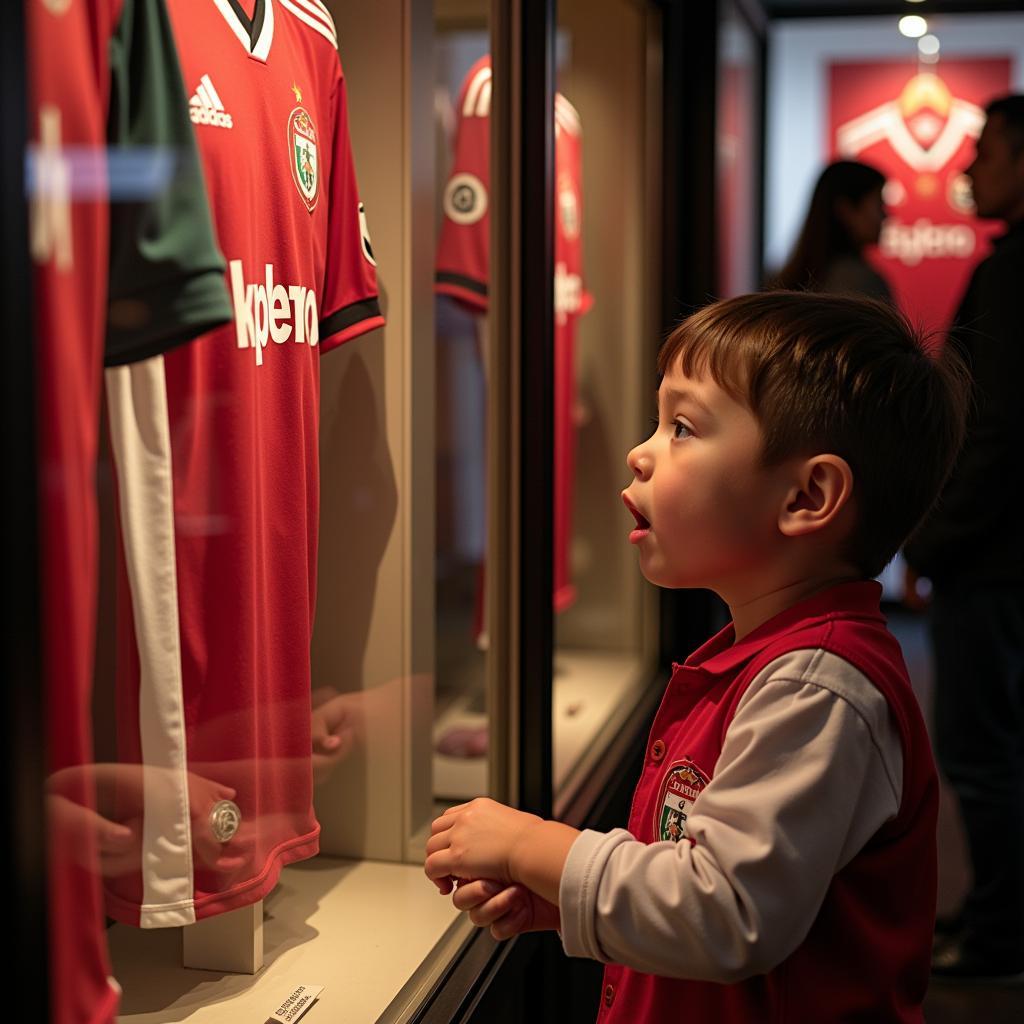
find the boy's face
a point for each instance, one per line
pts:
(706, 510)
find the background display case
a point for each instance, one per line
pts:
(605, 635)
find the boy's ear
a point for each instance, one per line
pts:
(822, 488)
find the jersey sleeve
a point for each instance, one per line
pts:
(463, 247)
(166, 273)
(350, 305)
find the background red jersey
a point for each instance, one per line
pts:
(463, 271)
(218, 480)
(919, 128)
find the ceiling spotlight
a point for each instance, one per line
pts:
(913, 26)
(928, 46)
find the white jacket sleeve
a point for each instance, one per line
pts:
(811, 767)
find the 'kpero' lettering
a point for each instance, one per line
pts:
(269, 311)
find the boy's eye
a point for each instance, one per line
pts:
(681, 430)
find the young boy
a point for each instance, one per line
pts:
(780, 860)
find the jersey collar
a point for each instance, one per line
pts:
(855, 600)
(255, 33)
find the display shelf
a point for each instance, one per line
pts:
(359, 928)
(591, 690)
(590, 687)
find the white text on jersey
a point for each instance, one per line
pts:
(568, 294)
(269, 311)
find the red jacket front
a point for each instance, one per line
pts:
(867, 955)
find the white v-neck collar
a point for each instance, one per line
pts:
(261, 48)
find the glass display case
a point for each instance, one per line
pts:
(738, 150)
(607, 330)
(384, 578)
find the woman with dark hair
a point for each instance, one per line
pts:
(845, 215)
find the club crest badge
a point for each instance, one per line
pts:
(465, 199)
(682, 784)
(304, 156)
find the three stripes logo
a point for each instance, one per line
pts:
(205, 106)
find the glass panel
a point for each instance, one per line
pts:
(737, 158)
(258, 479)
(604, 369)
(462, 107)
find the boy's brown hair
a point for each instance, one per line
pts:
(844, 375)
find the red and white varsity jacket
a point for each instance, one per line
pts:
(780, 863)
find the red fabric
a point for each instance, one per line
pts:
(922, 140)
(867, 954)
(244, 418)
(463, 273)
(69, 87)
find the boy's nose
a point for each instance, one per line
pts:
(640, 462)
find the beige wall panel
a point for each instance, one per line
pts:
(373, 637)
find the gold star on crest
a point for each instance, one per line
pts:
(298, 94)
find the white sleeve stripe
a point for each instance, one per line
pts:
(206, 81)
(473, 92)
(317, 26)
(566, 113)
(324, 12)
(140, 436)
(318, 12)
(483, 106)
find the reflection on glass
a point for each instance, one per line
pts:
(736, 154)
(603, 358)
(463, 89)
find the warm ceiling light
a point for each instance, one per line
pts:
(913, 26)
(928, 45)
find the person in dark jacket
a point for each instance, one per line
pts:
(845, 216)
(972, 548)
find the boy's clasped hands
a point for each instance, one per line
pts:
(483, 852)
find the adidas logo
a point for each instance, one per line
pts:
(205, 106)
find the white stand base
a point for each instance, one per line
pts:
(231, 942)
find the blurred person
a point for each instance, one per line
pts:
(846, 215)
(972, 548)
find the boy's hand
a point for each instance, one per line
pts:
(506, 910)
(486, 840)
(475, 840)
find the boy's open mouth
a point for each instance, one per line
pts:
(643, 525)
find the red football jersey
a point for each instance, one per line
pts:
(166, 271)
(919, 129)
(217, 449)
(68, 99)
(463, 269)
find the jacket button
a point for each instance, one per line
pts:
(658, 749)
(609, 995)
